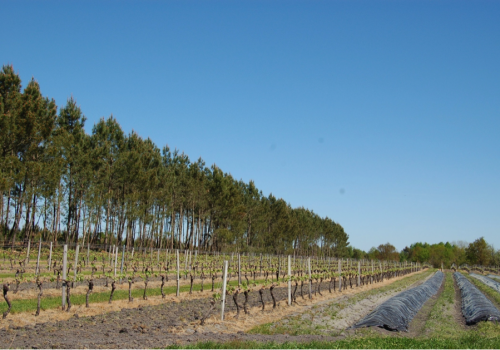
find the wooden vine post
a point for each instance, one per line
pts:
(340, 275)
(190, 264)
(371, 277)
(123, 258)
(178, 286)
(359, 273)
(76, 260)
(50, 256)
(116, 259)
(37, 271)
(65, 264)
(310, 279)
(289, 280)
(260, 264)
(239, 269)
(224, 283)
(28, 253)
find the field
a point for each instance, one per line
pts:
(260, 317)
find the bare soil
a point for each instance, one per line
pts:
(146, 325)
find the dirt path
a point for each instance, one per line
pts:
(148, 325)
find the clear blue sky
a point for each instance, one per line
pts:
(382, 115)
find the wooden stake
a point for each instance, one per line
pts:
(123, 258)
(50, 256)
(178, 285)
(224, 283)
(239, 270)
(65, 264)
(340, 275)
(310, 280)
(28, 253)
(289, 280)
(37, 271)
(371, 277)
(76, 259)
(359, 273)
(116, 259)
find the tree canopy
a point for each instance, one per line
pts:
(109, 187)
(478, 252)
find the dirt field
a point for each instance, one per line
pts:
(160, 322)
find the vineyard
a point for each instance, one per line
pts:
(153, 297)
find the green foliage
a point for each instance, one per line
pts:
(116, 185)
(479, 252)
(440, 323)
(434, 254)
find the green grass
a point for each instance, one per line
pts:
(469, 341)
(441, 322)
(47, 274)
(304, 323)
(29, 305)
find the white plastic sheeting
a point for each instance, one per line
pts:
(396, 313)
(495, 277)
(475, 306)
(488, 281)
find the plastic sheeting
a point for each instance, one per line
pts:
(475, 306)
(488, 281)
(495, 277)
(396, 313)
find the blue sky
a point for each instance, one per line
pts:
(382, 115)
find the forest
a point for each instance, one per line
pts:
(60, 184)
(457, 253)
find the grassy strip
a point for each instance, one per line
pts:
(29, 305)
(469, 341)
(47, 274)
(299, 325)
(85, 273)
(441, 322)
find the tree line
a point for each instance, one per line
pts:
(478, 252)
(64, 185)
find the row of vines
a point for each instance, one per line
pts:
(45, 267)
